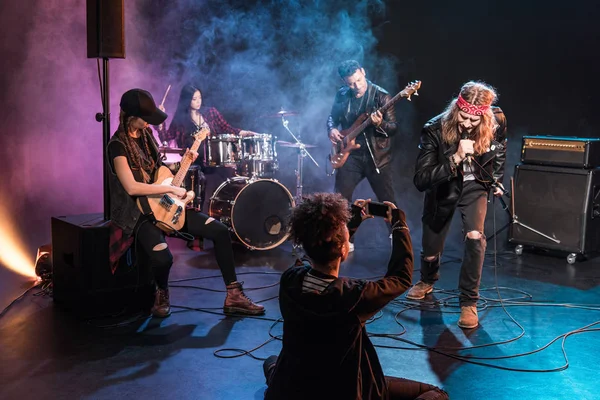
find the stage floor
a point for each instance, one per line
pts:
(46, 353)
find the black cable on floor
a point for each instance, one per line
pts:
(37, 284)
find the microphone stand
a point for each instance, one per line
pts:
(514, 219)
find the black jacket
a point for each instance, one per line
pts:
(380, 138)
(326, 351)
(442, 184)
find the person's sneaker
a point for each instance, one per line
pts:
(468, 317)
(162, 306)
(419, 291)
(236, 302)
(268, 367)
(351, 249)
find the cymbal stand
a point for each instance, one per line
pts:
(302, 152)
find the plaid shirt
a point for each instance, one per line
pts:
(118, 244)
(217, 124)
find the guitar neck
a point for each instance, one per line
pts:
(354, 133)
(185, 164)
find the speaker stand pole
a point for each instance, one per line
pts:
(105, 119)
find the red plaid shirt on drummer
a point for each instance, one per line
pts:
(217, 124)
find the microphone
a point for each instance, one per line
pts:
(468, 157)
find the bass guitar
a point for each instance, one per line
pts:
(341, 150)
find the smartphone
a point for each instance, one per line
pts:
(376, 209)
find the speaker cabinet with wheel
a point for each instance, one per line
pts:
(105, 29)
(556, 208)
(82, 279)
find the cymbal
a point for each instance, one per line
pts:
(170, 150)
(282, 113)
(283, 143)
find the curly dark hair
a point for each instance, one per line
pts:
(317, 224)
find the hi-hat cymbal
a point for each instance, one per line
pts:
(283, 143)
(282, 113)
(170, 150)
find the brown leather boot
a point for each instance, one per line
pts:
(236, 302)
(161, 307)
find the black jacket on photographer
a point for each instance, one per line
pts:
(442, 183)
(327, 353)
(346, 109)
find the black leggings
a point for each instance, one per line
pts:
(148, 236)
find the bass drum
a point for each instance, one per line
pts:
(256, 210)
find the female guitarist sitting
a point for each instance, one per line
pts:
(134, 159)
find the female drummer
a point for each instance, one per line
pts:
(188, 119)
(134, 157)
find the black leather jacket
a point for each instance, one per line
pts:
(441, 183)
(380, 138)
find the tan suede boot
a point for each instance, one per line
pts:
(468, 317)
(236, 302)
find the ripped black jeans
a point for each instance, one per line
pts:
(149, 236)
(473, 208)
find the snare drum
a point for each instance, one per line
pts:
(224, 151)
(256, 211)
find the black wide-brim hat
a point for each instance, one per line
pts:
(139, 103)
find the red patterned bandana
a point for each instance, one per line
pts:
(469, 108)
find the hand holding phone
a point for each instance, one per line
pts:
(377, 209)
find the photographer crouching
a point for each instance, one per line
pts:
(326, 351)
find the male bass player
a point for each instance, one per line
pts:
(134, 161)
(372, 152)
(462, 154)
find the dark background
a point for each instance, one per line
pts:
(252, 58)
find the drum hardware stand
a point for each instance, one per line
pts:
(302, 153)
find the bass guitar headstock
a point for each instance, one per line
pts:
(410, 89)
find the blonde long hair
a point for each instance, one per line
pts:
(479, 94)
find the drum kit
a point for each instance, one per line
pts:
(251, 202)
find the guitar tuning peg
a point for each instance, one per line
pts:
(408, 98)
(416, 93)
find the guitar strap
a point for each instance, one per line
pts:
(369, 108)
(146, 210)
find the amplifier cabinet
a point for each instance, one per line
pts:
(562, 203)
(82, 278)
(561, 151)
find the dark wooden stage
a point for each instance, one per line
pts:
(197, 352)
